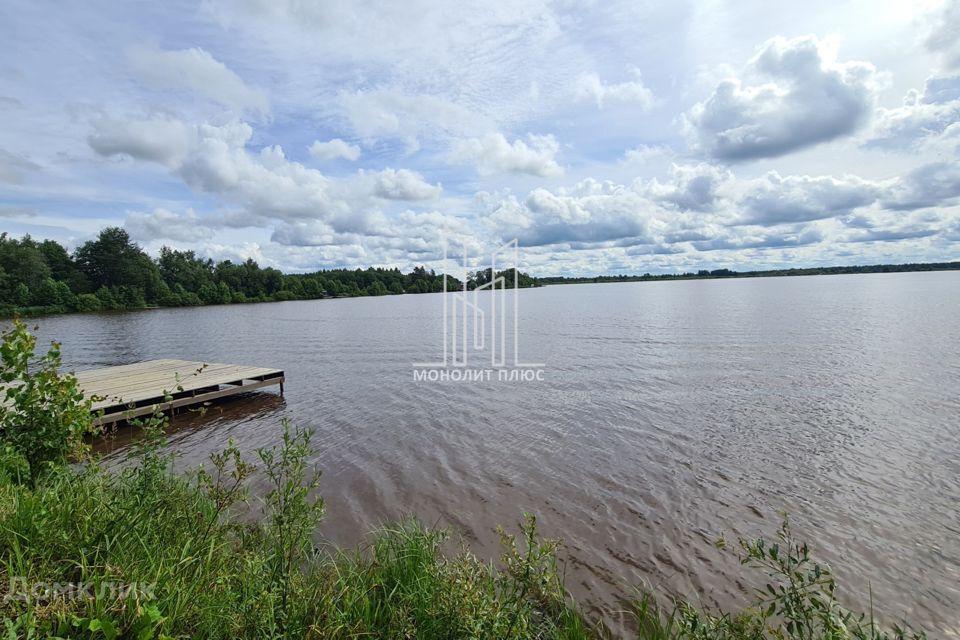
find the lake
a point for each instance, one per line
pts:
(669, 413)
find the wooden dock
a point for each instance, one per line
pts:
(133, 390)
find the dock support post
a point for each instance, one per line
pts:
(281, 389)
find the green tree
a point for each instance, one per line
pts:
(224, 294)
(272, 280)
(113, 259)
(208, 294)
(48, 293)
(376, 289)
(88, 302)
(186, 298)
(293, 285)
(65, 295)
(481, 277)
(21, 295)
(185, 268)
(130, 297)
(311, 288)
(62, 267)
(23, 264)
(107, 299)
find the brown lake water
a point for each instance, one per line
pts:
(669, 413)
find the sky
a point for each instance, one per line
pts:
(606, 137)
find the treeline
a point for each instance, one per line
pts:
(769, 273)
(112, 272)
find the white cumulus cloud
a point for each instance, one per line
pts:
(692, 188)
(264, 188)
(930, 117)
(404, 184)
(197, 71)
(945, 36)
(163, 224)
(589, 86)
(157, 138)
(333, 149)
(493, 153)
(802, 97)
(393, 114)
(775, 199)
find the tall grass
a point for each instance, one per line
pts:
(212, 577)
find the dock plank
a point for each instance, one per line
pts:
(136, 389)
(138, 393)
(107, 373)
(167, 378)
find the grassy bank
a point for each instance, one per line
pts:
(143, 552)
(196, 573)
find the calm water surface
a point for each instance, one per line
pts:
(670, 413)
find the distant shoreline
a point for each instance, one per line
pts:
(113, 273)
(715, 274)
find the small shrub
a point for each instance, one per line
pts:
(294, 510)
(87, 302)
(798, 603)
(44, 415)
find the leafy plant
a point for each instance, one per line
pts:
(799, 602)
(43, 413)
(149, 453)
(531, 579)
(224, 486)
(294, 509)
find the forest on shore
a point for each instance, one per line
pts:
(112, 272)
(766, 273)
